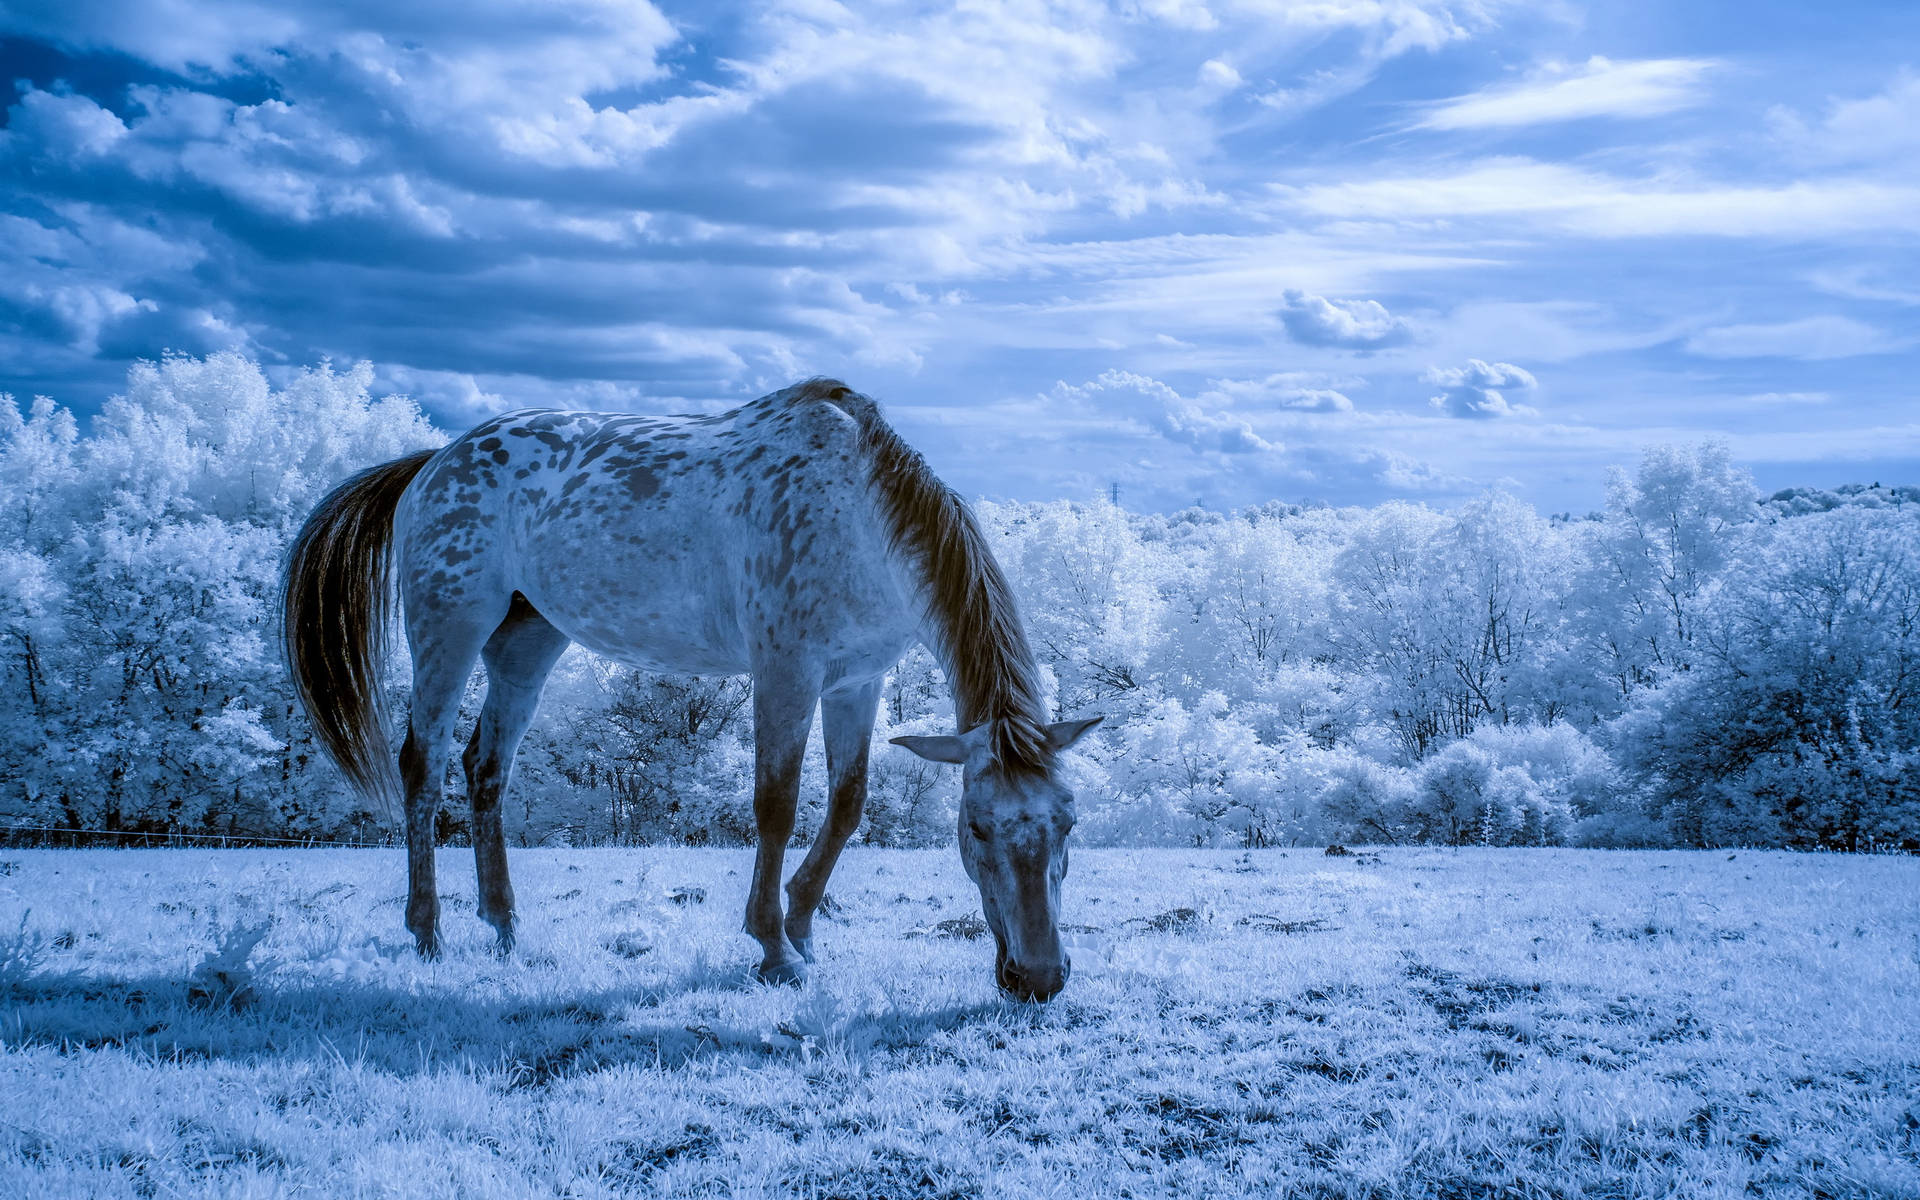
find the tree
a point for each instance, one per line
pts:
(1670, 669)
(142, 564)
(1091, 596)
(1798, 722)
(1651, 560)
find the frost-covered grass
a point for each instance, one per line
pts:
(1432, 1023)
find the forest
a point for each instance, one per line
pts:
(1694, 665)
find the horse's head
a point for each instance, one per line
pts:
(1014, 823)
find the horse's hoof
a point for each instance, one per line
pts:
(428, 945)
(785, 974)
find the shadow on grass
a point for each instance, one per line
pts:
(405, 1032)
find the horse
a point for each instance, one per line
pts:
(797, 539)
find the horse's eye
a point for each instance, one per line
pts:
(979, 830)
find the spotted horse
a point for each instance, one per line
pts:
(796, 539)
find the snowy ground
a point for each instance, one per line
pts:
(1428, 1024)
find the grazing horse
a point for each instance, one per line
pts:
(796, 538)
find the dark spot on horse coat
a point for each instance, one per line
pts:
(561, 447)
(641, 482)
(455, 518)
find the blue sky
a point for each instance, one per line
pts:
(1342, 250)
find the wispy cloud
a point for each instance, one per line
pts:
(1882, 128)
(1598, 87)
(1285, 390)
(1592, 203)
(1819, 337)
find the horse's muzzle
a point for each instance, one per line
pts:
(1037, 985)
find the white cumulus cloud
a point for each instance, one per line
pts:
(1346, 324)
(1478, 391)
(1188, 421)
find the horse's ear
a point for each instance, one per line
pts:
(946, 748)
(1066, 733)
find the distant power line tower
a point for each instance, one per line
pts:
(1113, 493)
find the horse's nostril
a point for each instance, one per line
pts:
(1038, 986)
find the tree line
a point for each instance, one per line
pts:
(1693, 665)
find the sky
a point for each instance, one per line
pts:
(1212, 252)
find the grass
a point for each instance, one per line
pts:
(1444, 1024)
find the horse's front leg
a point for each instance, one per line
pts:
(782, 715)
(847, 727)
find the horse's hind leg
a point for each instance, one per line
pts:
(444, 647)
(519, 656)
(846, 725)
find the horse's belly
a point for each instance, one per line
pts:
(655, 611)
(661, 649)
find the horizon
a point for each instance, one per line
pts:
(1330, 254)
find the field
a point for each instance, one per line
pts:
(1420, 1023)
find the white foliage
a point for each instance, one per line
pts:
(1688, 665)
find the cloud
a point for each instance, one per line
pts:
(1217, 74)
(71, 313)
(576, 190)
(1600, 205)
(1189, 422)
(1345, 324)
(1881, 128)
(1239, 441)
(595, 203)
(1316, 400)
(1598, 87)
(51, 126)
(1865, 283)
(457, 394)
(1283, 390)
(1478, 391)
(1820, 337)
(150, 330)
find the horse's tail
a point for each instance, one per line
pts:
(337, 604)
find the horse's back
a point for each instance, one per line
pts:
(679, 543)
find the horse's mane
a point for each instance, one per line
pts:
(968, 602)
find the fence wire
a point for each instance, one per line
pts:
(17, 835)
